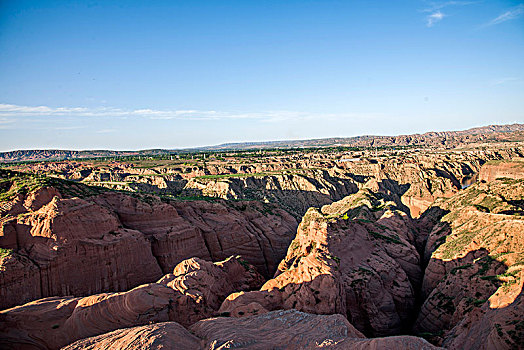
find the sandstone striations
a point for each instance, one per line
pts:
(473, 281)
(192, 292)
(163, 335)
(294, 330)
(502, 169)
(119, 242)
(356, 257)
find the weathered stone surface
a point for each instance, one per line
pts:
(509, 169)
(19, 280)
(498, 324)
(201, 286)
(158, 336)
(172, 238)
(55, 322)
(355, 257)
(73, 246)
(474, 272)
(193, 292)
(292, 329)
(259, 232)
(117, 242)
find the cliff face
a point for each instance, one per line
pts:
(502, 169)
(67, 236)
(184, 296)
(117, 242)
(356, 257)
(293, 192)
(473, 279)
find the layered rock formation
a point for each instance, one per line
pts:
(294, 330)
(192, 292)
(361, 265)
(119, 242)
(295, 192)
(66, 236)
(356, 257)
(163, 335)
(502, 169)
(473, 282)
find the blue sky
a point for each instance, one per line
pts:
(130, 75)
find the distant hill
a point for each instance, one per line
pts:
(510, 132)
(443, 138)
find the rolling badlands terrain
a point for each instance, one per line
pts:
(368, 244)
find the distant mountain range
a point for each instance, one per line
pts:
(510, 132)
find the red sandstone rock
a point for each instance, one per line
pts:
(70, 235)
(350, 258)
(495, 325)
(513, 169)
(260, 233)
(158, 336)
(54, 322)
(172, 238)
(19, 280)
(292, 329)
(474, 277)
(77, 248)
(194, 291)
(201, 286)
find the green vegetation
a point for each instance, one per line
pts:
(458, 268)
(475, 302)
(13, 183)
(384, 237)
(5, 252)
(244, 264)
(455, 245)
(295, 245)
(445, 302)
(429, 336)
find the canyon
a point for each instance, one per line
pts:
(346, 248)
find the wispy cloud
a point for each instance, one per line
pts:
(512, 13)
(13, 112)
(10, 110)
(66, 127)
(5, 123)
(436, 15)
(435, 6)
(434, 18)
(505, 80)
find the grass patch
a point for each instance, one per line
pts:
(384, 237)
(458, 268)
(5, 252)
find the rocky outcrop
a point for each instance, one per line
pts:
(494, 326)
(55, 245)
(493, 170)
(202, 286)
(209, 230)
(163, 335)
(355, 257)
(474, 274)
(294, 330)
(55, 322)
(192, 292)
(260, 232)
(172, 238)
(72, 247)
(295, 192)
